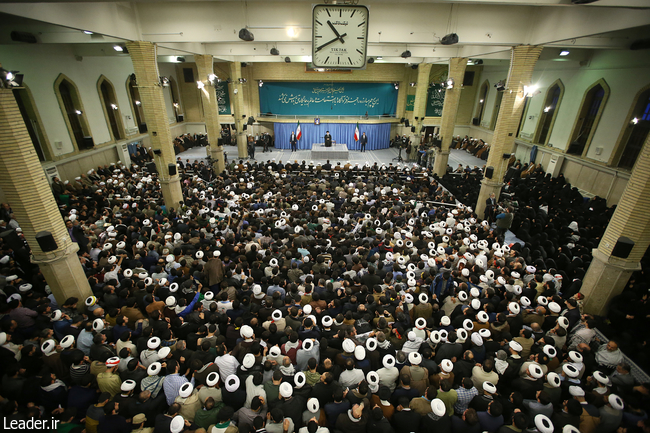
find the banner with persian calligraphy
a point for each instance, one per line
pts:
(410, 102)
(435, 100)
(345, 99)
(223, 97)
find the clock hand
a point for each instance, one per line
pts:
(334, 30)
(331, 42)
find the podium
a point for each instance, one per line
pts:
(336, 151)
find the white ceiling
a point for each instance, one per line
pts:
(487, 28)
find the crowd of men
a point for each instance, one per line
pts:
(291, 298)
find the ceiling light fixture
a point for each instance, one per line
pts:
(412, 84)
(138, 103)
(406, 54)
(449, 83)
(635, 120)
(88, 32)
(246, 35)
(118, 48)
(547, 109)
(396, 85)
(564, 53)
(114, 107)
(200, 84)
(261, 83)
(79, 112)
(379, 58)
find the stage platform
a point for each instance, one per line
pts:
(338, 151)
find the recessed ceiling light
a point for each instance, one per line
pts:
(379, 57)
(564, 53)
(118, 48)
(88, 32)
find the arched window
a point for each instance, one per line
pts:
(176, 101)
(495, 111)
(549, 113)
(634, 133)
(32, 120)
(111, 109)
(482, 99)
(73, 113)
(590, 112)
(136, 103)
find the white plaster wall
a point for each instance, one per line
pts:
(168, 70)
(42, 64)
(626, 72)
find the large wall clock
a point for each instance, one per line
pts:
(339, 36)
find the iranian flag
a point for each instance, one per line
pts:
(356, 132)
(298, 132)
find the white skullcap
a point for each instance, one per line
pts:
(616, 402)
(388, 361)
(348, 345)
(232, 383)
(246, 331)
(177, 425)
(576, 391)
(536, 371)
(248, 361)
(554, 380)
(489, 387)
(415, 358)
(543, 423)
(67, 341)
(154, 369)
(438, 407)
(128, 385)
(515, 346)
(286, 390)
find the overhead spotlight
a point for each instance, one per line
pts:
(501, 86)
(530, 91)
(246, 35)
(379, 57)
(88, 32)
(242, 80)
(275, 52)
(261, 83)
(79, 112)
(114, 107)
(449, 83)
(406, 54)
(564, 53)
(287, 60)
(371, 60)
(450, 39)
(138, 103)
(547, 109)
(475, 62)
(180, 59)
(292, 32)
(118, 48)
(481, 101)
(176, 104)
(10, 78)
(396, 85)
(200, 84)
(412, 84)
(635, 121)
(164, 81)
(213, 79)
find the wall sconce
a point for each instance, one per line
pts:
(481, 101)
(200, 84)
(138, 103)
(547, 109)
(635, 121)
(114, 107)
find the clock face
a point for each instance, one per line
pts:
(340, 36)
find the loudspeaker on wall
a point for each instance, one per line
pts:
(172, 169)
(489, 172)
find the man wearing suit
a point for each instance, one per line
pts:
(328, 139)
(490, 206)
(293, 141)
(363, 141)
